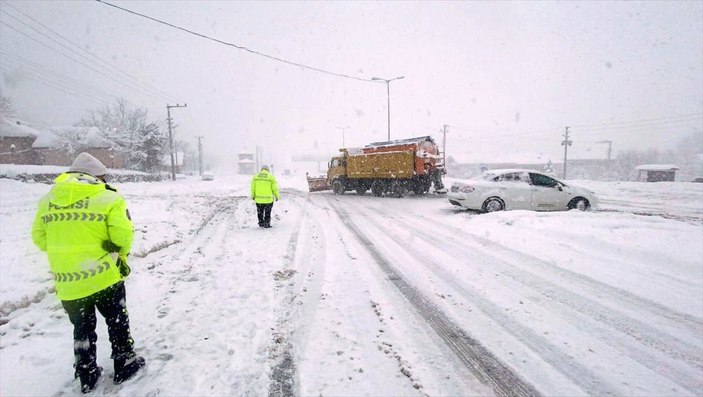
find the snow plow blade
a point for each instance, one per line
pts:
(318, 184)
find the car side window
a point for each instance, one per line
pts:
(507, 177)
(543, 180)
(513, 177)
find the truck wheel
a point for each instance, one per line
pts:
(396, 189)
(377, 188)
(421, 188)
(338, 187)
(361, 190)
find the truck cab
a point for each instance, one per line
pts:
(336, 169)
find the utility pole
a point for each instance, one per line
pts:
(610, 147)
(566, 143)
(343, 129)
(200, 154)
(444, 146)
(170, 136)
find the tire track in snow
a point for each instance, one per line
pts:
(638, 333)
(480, 361)
(310, 263)
(283, 369)
(691, 324)
(578, 374)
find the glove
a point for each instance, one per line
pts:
(109, 246)
(125, 270)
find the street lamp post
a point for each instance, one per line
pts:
(343, 129)
(388, 91)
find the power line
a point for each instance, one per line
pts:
(235, 45)
(28, 66)
(62, 88)
(125, 84)
(620, 128)
(38, 72)
(683, 117)
(118, 70)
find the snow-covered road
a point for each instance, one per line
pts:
(358, 295)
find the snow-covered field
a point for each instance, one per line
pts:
(357, 295)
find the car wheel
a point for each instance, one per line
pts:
(493, 204)
(579, 203)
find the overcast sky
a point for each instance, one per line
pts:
(506, 77)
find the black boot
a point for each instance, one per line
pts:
(89, 378)
(126, 368)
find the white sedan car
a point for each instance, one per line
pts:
(519, 189)
(208, 176)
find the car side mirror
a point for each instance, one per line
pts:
(561, 189)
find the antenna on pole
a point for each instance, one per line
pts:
(170, 136)
(566, 143)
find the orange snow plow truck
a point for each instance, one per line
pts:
(387, 168)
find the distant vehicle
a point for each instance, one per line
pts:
(698, 180)
(208, 176)
(387, 168)
(519, 189)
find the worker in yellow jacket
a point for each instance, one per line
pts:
(84, 227)
(264, 191)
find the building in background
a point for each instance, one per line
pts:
(246, 164)
(656, 172)
(16, 142)
(22, 144)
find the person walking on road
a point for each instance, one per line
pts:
(84, 227)
(264, 191)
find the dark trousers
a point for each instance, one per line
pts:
(112, 304)
(263, 211)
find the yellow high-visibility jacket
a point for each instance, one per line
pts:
(72, 223)
(264, 188)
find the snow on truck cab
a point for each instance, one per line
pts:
(387, 168)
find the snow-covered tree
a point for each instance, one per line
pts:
(7, 109)
(130, 132)
(148, 148)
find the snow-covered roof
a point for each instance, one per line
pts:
(10, 129)
(47, 139)
(245, 161)
(657, 167)
(87, 136)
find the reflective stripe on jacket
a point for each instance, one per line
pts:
(72, 223)
(264, 188)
